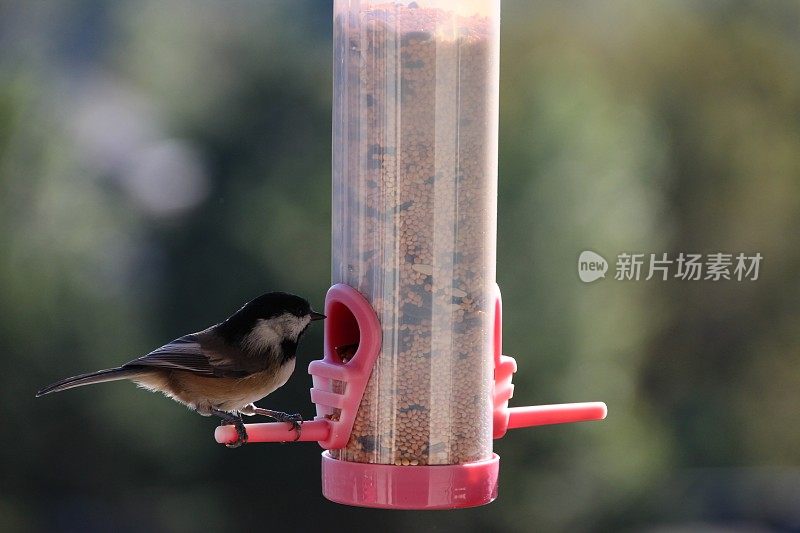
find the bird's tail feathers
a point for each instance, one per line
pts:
(101, 376)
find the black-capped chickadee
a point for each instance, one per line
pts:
(225, 368)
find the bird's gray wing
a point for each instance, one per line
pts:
(195, 353)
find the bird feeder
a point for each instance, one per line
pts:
(413, 386)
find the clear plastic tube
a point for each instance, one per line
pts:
(414, 219)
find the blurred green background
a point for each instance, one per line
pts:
(163, 161)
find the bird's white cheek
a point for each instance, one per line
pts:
(262, 337)
(301, 326)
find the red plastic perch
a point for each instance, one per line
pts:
(313, 430)
(519, 417)
(563, 413)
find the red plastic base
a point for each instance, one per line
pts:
(410, 487)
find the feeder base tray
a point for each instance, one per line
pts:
(410, 487)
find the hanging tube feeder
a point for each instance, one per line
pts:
(413, 386)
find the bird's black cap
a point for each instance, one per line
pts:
(274, 304)
(266, 306)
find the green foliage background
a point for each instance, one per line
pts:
(661, 126)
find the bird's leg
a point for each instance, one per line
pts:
(236, 421)
(295, 420)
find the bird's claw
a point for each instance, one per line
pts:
(296, 420)
(241, 436)
(241, 432)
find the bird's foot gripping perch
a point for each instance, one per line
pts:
(296, 419)
(236, 422)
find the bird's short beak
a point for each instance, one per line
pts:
(317, 316)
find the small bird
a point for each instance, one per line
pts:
(225, 368)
